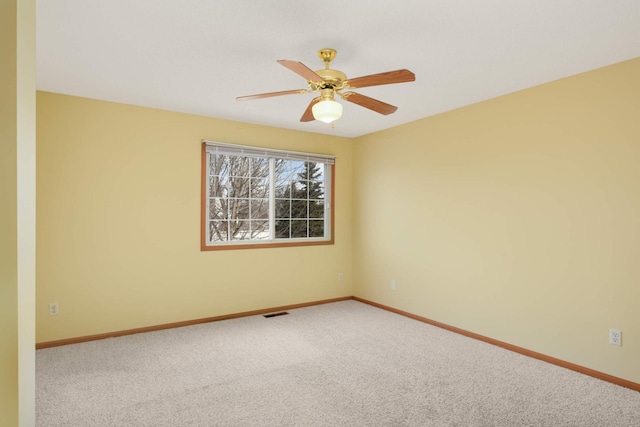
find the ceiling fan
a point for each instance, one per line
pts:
(330, 82)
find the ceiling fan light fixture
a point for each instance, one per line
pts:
(327, 110)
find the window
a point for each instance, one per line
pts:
(256, 197)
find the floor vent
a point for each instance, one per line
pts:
(282, 313)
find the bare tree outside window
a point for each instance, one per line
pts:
(239, 198)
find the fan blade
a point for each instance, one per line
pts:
(307, 116)
(270, 94)
(301, 69)
(397, 76)
(370, 103)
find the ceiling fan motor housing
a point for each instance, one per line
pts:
(332, 77)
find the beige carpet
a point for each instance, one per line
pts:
(340, 364)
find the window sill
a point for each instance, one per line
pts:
(297, 243)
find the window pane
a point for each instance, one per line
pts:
(218, 165)
(316, 209)
(316, 190)
(260, 209)
(314, 171)
(283, 208)
(216, 187)
(260, 230)
(217, 208)
(303, 189)
(291, 169)
(239, 229)
(281, 181)
(283, 228)
(281, 191)
(259, 188)
(259, 167)
(299, 209)
(238, 166)
(238, 208)
(226, 166)
(218, 231)
(316, 228)
(238, 187)
(287, 175)
(299, 228)
(298, 190)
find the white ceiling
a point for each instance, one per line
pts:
(196, 56)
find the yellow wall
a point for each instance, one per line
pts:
(517, 218)
(118, 192)
(8, 219)
(17, 213)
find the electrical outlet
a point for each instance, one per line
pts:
(54, 309)
(393, 285)
(615, 336)
(340, 277)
